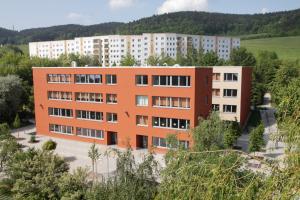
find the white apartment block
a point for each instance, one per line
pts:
(110, 49)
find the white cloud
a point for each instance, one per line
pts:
(75, 16)
(78, 17)
(264, 10)
(182, 5)
(116, 4)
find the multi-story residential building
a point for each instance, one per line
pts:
(231, 92)
(110, 49)
(130, 106)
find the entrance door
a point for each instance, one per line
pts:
(112, 138)
(142, 141)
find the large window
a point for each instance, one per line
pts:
(54, 95)
(162, 143)
(111, 98)
(176, 81)
(230, 93)
(159, 142)
(141, 120)
(59, 78)
(230, 76)
(171, 123)
(111, 79)
(141, 80)
(171, 102)
(89, 115)
(112, 117)
(229, 108)
(184, 144)
(60, 112)
(91, 133)
(141, 100)
(60, 129)
(89, 97)
(88, 78)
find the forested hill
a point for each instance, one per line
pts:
(284, 23)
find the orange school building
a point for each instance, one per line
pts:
(124, 106)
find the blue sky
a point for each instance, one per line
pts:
(24, 14)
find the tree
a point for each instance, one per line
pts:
(50, 145)
(10, 97)
(232, 132)
(242, 57)
(210, 59)
(73, 186)
(209, 134)
(94, 155)
(4, 131)
(17, 122)
(207, 175)
(133, 180)
(34, 174)
(256, 140)
(153, 60)
(8, 148)
(128, 60)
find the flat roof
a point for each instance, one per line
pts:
(139, 67)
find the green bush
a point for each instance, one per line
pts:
(49, 145)
(32, 139)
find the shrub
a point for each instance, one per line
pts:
(49, 145)
(32, 139)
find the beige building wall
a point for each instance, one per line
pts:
(222, 85)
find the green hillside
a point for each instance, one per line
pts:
(287, 48)
(285, 23)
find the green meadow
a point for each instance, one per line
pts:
(287, 48)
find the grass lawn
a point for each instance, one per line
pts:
(287, 48)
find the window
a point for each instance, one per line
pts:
(59, 78)
(88, 78)
(111, 98)
(159, 142)
(142, 120)
(230, 93)
(141, 80)
(89, 97)
(91, 133)
(230, 76)
(215, 107)
(60, 112)
(54, 95)
(177, 81)
(216, 76)
(111, 79)
(229, 108)
(141, 100)
(112, 117)
(89, 115)
(184, 144)
(60, 129)
(171, 123)
(216, 92)
(171, 102)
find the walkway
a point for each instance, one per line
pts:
(76, 153)
(274, 148)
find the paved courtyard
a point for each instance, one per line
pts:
(76, 153)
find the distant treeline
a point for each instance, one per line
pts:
(286, 23)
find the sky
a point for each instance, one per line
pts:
(22, 14)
